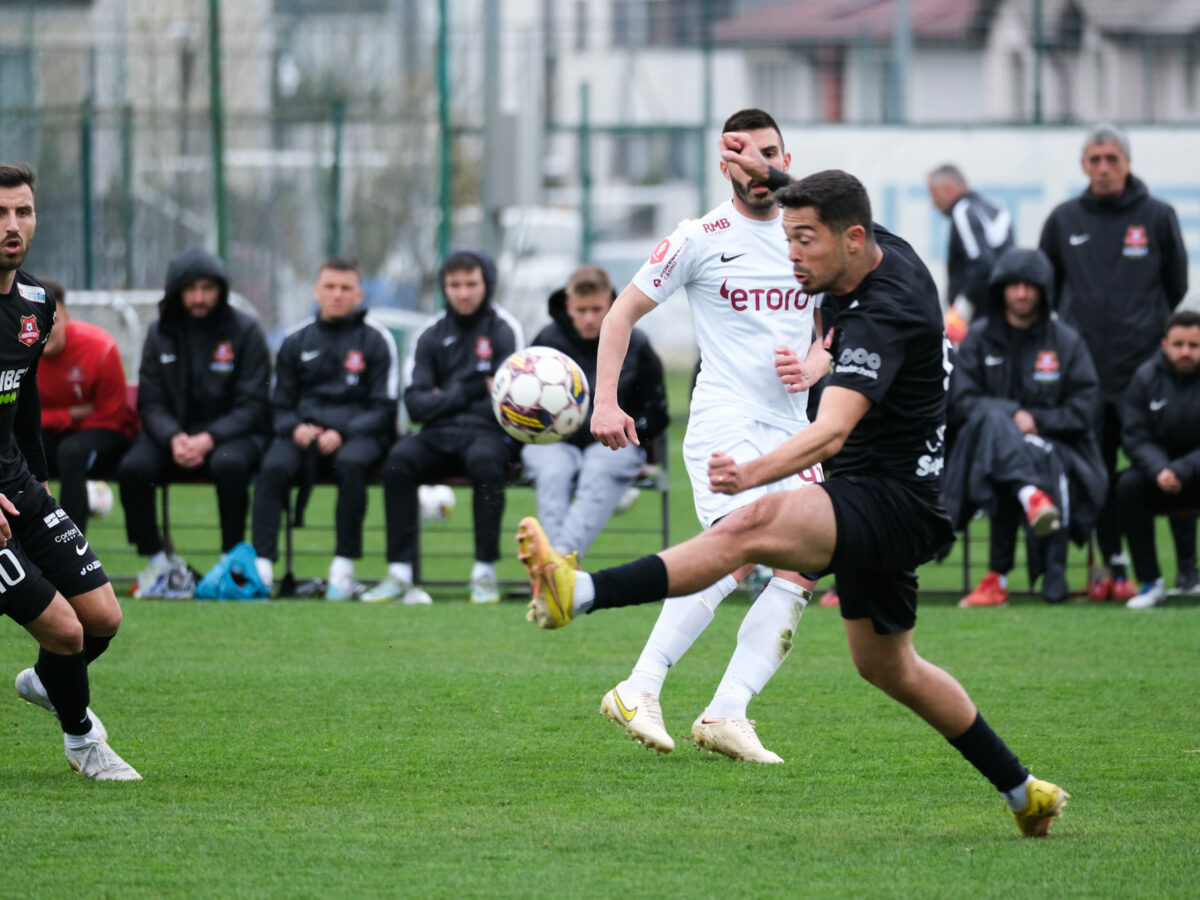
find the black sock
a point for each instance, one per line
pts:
(641, 581)
(94, 645)
(66, 682)
(983, 749)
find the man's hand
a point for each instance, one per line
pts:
(328, 442)
(6, 509)
(737, 149)
(305, 433)
(725, 476)
(797, 375)
(613, 427)
(81, 412)
(1168, 482)
(181, 450)
(1024, 422)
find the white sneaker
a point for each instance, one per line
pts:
(640, 714)
(31, 690)
(415, 596)
(627, 501)
(485, 588)
(734, 737)
(97, 760)
(265, 569)
(1151, 595)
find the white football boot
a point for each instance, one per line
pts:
(31, 690)
(733, 737)
(95, 759)
(640, 714)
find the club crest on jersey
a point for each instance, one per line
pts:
(29, 334)
(32, 293)
(222, 360)
(354, 362)
(1045, 367)
(1136, 242)
(483, 348)
(660, 252)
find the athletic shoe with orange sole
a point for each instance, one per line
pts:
(551, 576)
(1044, 803)
(1044, 517)
(989, 593)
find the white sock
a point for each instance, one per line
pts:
(585, 593)
(764, 641)
(682, 620)
(1018, 797)
(1024, 494)
(159, 560)
(1002, 577)
(79, 741)
(341, 570)
(401, 572)
(266, 570)
(483, 570)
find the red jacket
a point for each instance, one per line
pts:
(88, 370)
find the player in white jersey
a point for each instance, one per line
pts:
(758, 358)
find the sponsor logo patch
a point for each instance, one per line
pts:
(32, 293)
(660, 252)
(55, 518)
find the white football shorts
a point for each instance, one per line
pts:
(744, 439)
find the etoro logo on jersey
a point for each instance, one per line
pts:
(758, 299)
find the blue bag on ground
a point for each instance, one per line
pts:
(234, 577)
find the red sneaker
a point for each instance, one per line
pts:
(989, 593)
(1044, 517)
(1100, 589)
(1123, 589)
(829, 598)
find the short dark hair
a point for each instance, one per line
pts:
(1182, 318)
(59, 292)
(461, 261)
(16, 174)
(588, 280)
(948, 172)
(342, 264)
(750, 120)
(839, 199)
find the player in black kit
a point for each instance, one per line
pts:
(883, 413)
(50, 579)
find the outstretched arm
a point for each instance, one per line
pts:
(611, 426)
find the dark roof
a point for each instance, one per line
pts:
(825, 21)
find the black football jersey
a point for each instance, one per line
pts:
(889, 344)
(26, 317)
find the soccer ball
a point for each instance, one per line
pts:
(540, 395)
(437, 501)
(100, 498)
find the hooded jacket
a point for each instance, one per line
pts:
(1045, 370)
(1161, 420)
(453, 356)
(341, 374)
(640, 388)
(1120, 267)
(209, 374)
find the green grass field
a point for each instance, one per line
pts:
(311, 749)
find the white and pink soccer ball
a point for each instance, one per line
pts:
(540, 395)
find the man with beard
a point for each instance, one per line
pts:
(50, 579)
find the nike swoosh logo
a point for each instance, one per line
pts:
(309, 355)
(995, 230)
(725, 258)
(1076, 239)
(993, 360)
(446, 342)
(79, 551)
(166, 358)
(547, 575)
(626, 714)
(1156, 405)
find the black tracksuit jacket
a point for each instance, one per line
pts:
(1161, 420)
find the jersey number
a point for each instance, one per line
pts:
(11, 572)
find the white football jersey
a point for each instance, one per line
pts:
(745, 303)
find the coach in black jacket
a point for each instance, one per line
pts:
(448, 383)
(1120, 267)
(202, 397)
(333, 406)
(1161, 416)
(579, 481)
(1022, 394)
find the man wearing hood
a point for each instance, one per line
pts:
(1022, 394)
(202, 397)
(1161, 416)
(333, 405)
(448, 379)
(1120, 267)
(579, 481)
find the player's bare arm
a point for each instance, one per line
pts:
(6, 509)
(798, 374)
(841, 409)
(611, 426)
